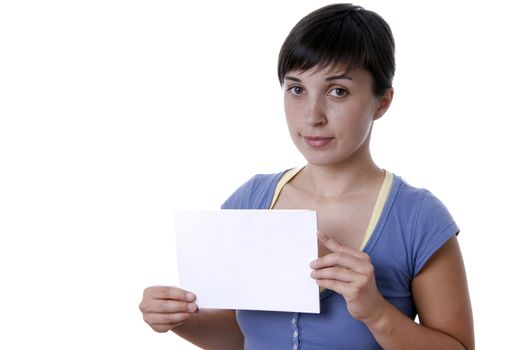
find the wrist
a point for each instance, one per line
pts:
(380, 322)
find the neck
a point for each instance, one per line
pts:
(343, 179)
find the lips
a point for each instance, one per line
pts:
(317, 141)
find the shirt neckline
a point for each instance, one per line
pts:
(376, 212)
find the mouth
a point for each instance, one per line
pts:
(317, 141)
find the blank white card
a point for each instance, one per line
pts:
(249, 259)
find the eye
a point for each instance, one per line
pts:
(338, 92)
(295, 90)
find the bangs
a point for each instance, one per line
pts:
(341, 35)
(337, 41)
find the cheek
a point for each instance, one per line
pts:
(291, 112)
(356, 121)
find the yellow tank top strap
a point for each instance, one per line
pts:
(378, 207)
(288, 176)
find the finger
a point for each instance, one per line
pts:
(166, 319)
(329, 242)
(167, 306)
(337, 259)
(162, 328)
(165, 292)
(335, 273)
(334, 245)
(342, 288)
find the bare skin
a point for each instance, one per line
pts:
(167, 308)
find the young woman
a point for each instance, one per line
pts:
(388, 251)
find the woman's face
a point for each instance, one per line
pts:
(330, 113)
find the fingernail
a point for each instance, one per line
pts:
(192, 307)
(313, 263)
(189, 297)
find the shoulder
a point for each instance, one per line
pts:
(421, 204)
(255, 193)
(408, 193)
(429, 223)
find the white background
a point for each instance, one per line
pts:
(115, 114)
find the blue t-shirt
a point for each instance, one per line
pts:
(412, 227)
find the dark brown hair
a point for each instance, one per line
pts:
(342, 34)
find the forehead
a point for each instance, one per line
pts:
(322, 73)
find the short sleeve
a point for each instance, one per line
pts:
(434, 226)
(254, 194)
(239, 197)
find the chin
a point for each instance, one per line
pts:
(326, 159)
(321, 161)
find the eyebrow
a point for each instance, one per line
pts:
(292, 78)
(331, 78)
(336, 77)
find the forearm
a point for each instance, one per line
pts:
(213, 330)
(393, 330)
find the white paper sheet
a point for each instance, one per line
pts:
(249, 259)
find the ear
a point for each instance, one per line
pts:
(384, 103)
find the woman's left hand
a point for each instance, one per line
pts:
(349, 272)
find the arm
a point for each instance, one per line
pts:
(171, 308)
(439, 290)
(441, 295)
(213, 330)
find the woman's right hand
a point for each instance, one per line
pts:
(165, 308)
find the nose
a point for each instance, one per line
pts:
(314, 113)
